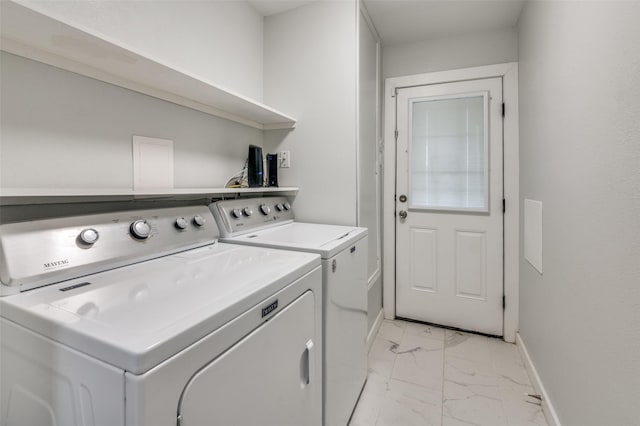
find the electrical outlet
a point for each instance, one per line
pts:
(284, 159)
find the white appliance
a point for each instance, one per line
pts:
(142, 318)
(270, 222)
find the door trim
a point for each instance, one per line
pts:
(509, 74)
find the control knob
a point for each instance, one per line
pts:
(89, 236)
(265, 209)
(287, 206)
(236, 213)
(247, 211)
(279, 207)
(181, 223)
(140, 229)
(199, 221)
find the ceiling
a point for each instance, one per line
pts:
(409, 21)
(272, 7)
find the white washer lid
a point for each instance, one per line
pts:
(326, 240)
(139, 315)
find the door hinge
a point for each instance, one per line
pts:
(504, 205)
(503, 109)
(504, 302)
(396, 134)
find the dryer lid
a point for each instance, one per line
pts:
(136, 316)
(326, 240)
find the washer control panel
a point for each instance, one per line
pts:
(236, 217)
(41, 252)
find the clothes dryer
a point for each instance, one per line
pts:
(142, 318)
(270, 222)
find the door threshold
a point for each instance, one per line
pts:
(448, 327)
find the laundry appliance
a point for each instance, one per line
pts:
(270, 222)
(142, 318)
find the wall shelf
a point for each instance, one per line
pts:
(29, 33)
(26, 196)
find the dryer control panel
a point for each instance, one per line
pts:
(37, 253)
(237, 217)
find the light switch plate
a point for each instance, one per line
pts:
(284, 159)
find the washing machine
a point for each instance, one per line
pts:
(269, 222)
(142, 318)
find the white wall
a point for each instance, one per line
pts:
(485, 48)
(62, 130)
(580, 155)
(218, 40)
(310, 72)
(319, 62)
(59, 129)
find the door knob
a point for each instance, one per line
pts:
(402, 214)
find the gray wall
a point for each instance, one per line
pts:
(471, 50)
(220, 41)
(580, 155)
(310, 72)
(62, 130)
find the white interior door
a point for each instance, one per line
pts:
(449, 204)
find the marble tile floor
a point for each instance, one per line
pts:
(425, 375)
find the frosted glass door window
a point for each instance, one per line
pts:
(448, 167)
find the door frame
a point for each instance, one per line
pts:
(509, 74)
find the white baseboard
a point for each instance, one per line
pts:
(374, 329)
(547, 406)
